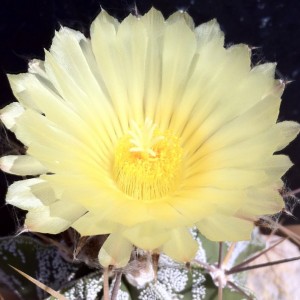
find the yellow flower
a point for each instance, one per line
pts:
(145, 130)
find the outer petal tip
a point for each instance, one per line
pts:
(116, 251)
(181, 246)
(210, 32)
(225, 228)
(21, 165)
(10, 113)
(39, 220)
(20, 194)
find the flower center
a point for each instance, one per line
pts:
(147, 162)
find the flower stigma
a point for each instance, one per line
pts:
(147, 162)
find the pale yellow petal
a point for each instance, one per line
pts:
(261, 173)
(210, 32)
(36, 66)
(212, 94)
(288, 130)
(10, 113)
(116, 251)
(276, 165)
(40, 220)
(260, 117)
(166, 215)
(44, 192)
(125, 211)
(54, 107)
(262, 76)
(256, 149)
(262, 201)
(99, 119)
(90, 224)
(20, 193)
(133, 43)
(21, 165)
(66, 210)
(228, 178)
(184, 120)
(197, 203)
(17, 86)
(181, 246)
(155, 26)
(101, 197)
(147, 236)
(175, 70)
(181, 15)
(220, 227)
(85, 189)
(67, 52)
(154, 23)
(37, 132)
(110, 65)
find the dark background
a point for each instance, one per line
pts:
(271, 27)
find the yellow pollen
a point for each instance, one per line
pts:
(147, 162)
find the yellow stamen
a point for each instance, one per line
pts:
(147, 163)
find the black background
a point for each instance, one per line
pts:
(271, 27)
